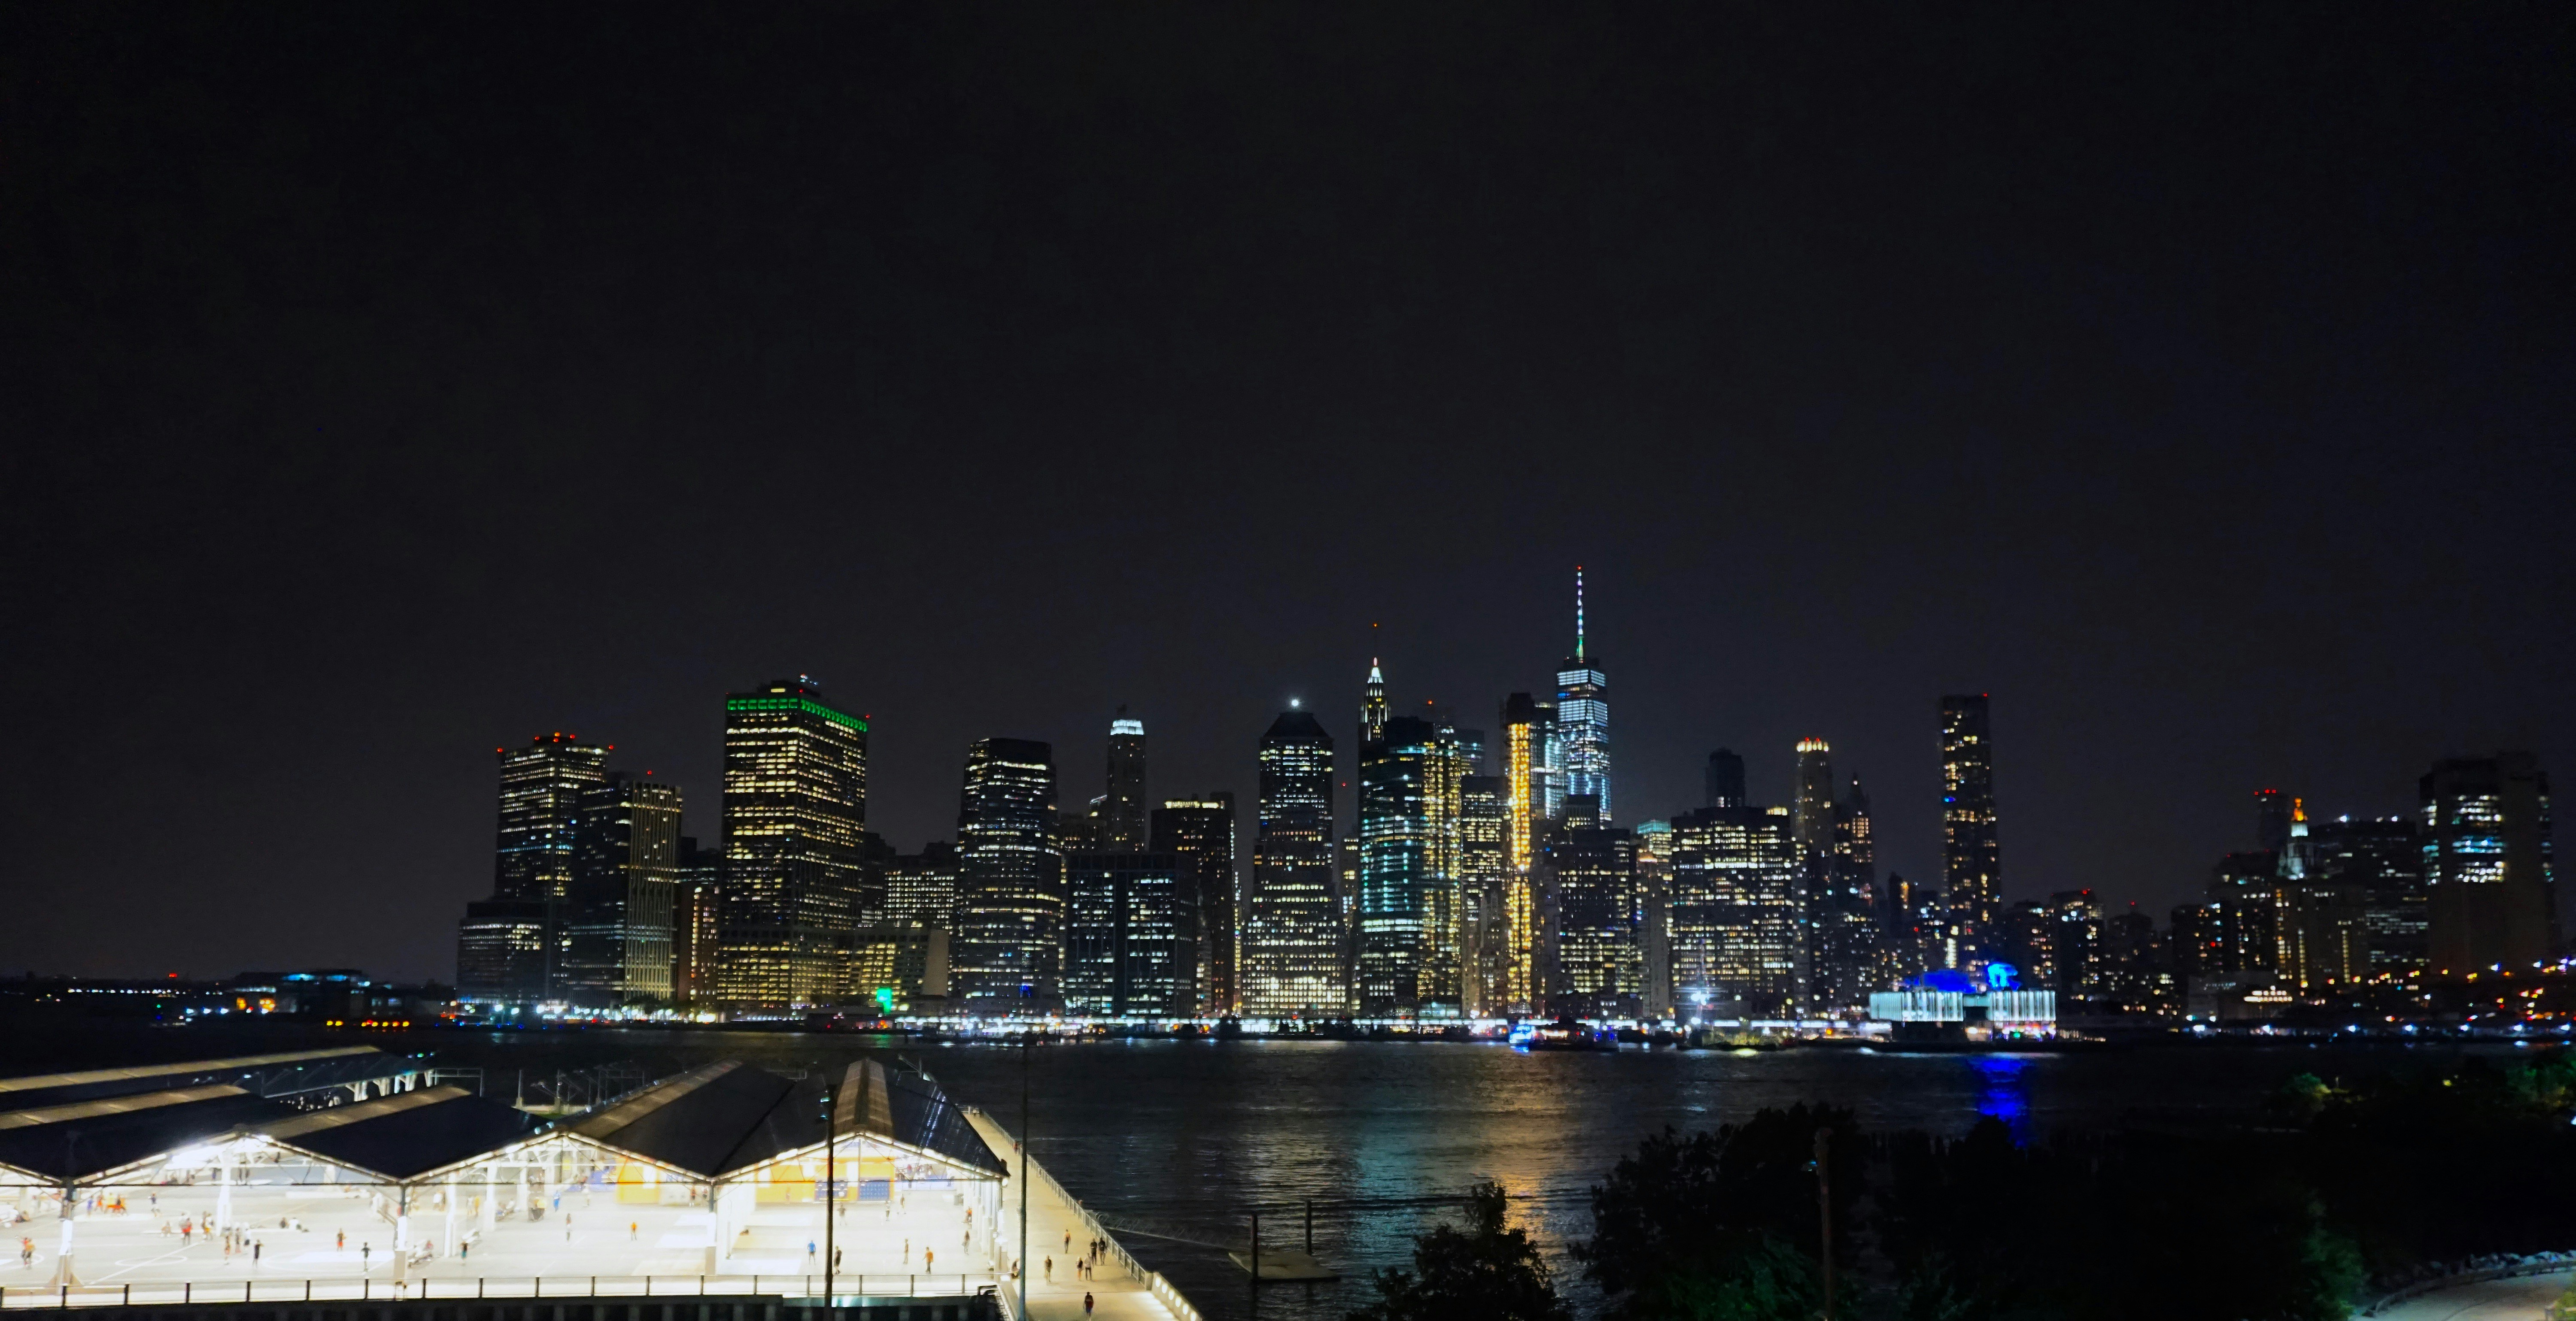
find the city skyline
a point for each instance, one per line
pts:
(1060, 362)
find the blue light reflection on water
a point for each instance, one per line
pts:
(2004, 1091)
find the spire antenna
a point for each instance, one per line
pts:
(1578, 612)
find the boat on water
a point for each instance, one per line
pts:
(1563, 1034)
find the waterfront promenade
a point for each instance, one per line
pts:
(2521, 1298)
(1121, 1288)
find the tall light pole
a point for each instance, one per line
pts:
(1027, 1036)
(831, 1184)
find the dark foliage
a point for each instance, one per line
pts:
(1485, 1271)
(1723, 1224)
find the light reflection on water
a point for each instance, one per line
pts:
(1182, 1139)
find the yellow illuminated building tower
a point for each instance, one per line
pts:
(1524, 751)
(795, 824)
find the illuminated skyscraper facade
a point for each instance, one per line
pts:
(1131, 936)
(922, 887)
(1842, 910)
(2383, 857)
(795, 822)
(1199, 833)
(1524, 807)
(1583, 718)
(1007, 949)
(1739, 942)
(2489, 878)
(1485, 885)
(1292, 939)
(1971, 864)
(541, 787)
(510, 948)
(1599, 968)
(1122, 810)
(1411, 900)
(619, 916)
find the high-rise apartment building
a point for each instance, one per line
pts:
(1811, 813)
(619, 915)
(2489, 879)
(1122, 811)
(1006, 952)
(1131, 936)
(1199, 832)
(795, 823)
(1583, 717)
(1972, 867)
(1292, 938)
(1739, 944)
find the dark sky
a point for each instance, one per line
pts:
(386, 383)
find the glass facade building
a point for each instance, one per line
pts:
(1131, 936)
(1582, 722)
(1010, 879)
(1199, 832)
(1411, 900)
(1292, 936)
(797, 883)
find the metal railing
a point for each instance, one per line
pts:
(848, 1284)
(1155, 1284)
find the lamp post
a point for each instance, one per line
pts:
(831, 1186)
(1027, 1036)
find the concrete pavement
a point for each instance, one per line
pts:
(1119, 1293)
(2520, 1299)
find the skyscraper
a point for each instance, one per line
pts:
(1131, 936)
(2490, 882)
(2384, 858)
(1524, 791)
(697, 922)
(1292, 940)
(618, 917)
(1484, 884)
(1373, 706)
(541, 788)
(922, 887)
(1005, 954)
(795, 820)
(1199, 832)
(1122, 814)
(1725, 780)
(1972, 869)
(1847, 929)
(1599, 937)
(509, 948)
(1583, 716)
(1811, 814)
(1411, 901)
(1738, 945)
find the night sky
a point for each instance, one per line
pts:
(387, 383)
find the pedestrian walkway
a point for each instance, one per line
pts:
(2519, 1299)
(1121, 1289)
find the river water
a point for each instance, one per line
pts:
(1178, 1143)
